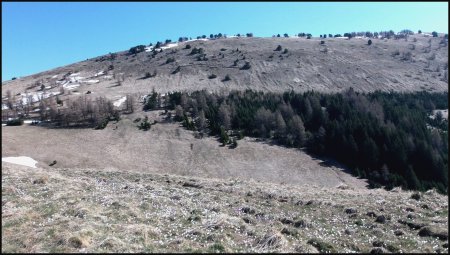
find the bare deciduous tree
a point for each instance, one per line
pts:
(129, 104)
(225, 116)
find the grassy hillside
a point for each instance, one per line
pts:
(90, 210)
(420, 63)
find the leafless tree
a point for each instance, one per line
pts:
(225, 115)
(201, 120)
(281, 124)
(179, 112)
(129, 104)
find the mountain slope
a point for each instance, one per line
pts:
(417, 64)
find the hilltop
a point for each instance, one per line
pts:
(418, 63)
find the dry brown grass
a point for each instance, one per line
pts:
(347, 63)
(90, 210)
(166, 148)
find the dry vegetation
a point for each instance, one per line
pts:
(122, 189)
(166, 148)
(89, 210)
(384, 65)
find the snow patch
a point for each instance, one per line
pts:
(120, 101)
(297, 80)
(170, 45)
(93, 81)
(100, 73)
(71, 87)
(22, 160)
(54, 76)
(76, 78)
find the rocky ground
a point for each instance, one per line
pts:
(89, 210)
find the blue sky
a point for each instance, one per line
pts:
(41, 36)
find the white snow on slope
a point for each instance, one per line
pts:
(100, 73)
(76, 78)
(92, 81)
(120, 101)
(170, 45)
(70, 87)
(22, 160)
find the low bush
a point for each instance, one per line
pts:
(246, 66)
(227, 78)
(15, 122)
(170, 60)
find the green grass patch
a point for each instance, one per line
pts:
(217, 247)
(322, 246)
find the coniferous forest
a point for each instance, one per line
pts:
(387, 137)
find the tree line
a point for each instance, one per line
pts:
(386, 137)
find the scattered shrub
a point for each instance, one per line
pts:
(136, 49)
(249, 34)
(278, 48)
(145, 125)
(285, 51)
(102, 124)
(176, 70)
(234, 143)
(369, 42)
(14, 122)
(59, 101)
(170, 60)
(246, 66)
(13, 78)
(227, 78)
(322, 246)
(188, 46)
(212, 76)
(196, 51)
(435, 34)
